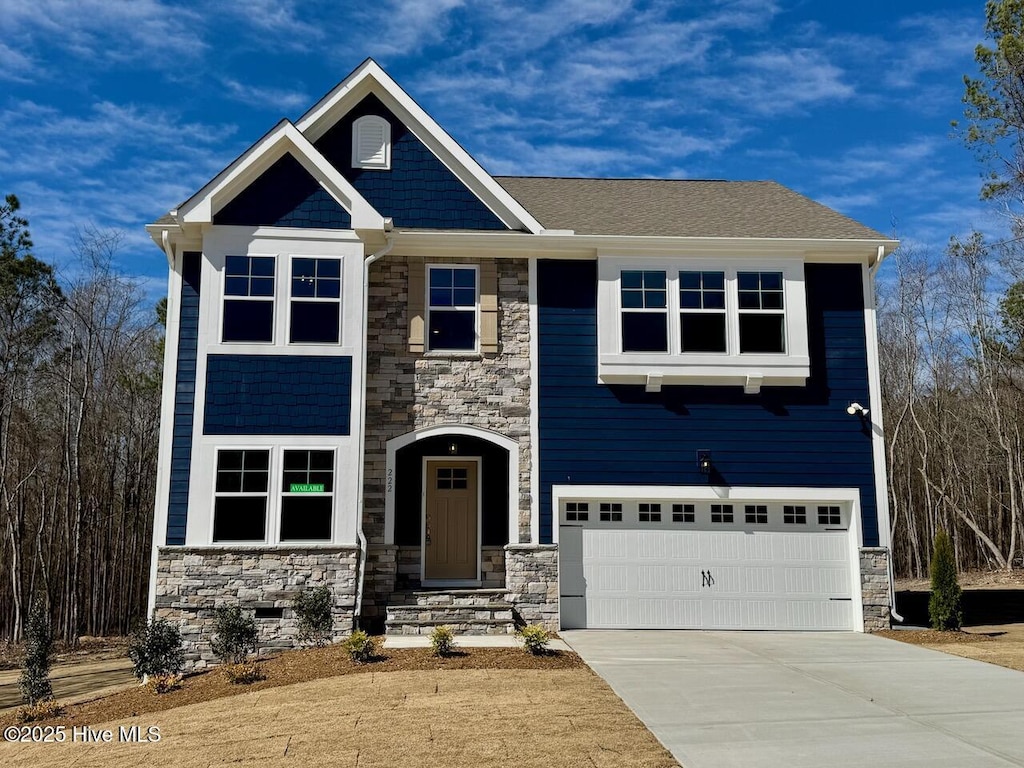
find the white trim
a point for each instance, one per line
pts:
(371, 122)
(397, 443)
(474, 582)
(369, 77)
(534, 406)
(475, 309)
(799, 495)
(875, 411)
(284, 138)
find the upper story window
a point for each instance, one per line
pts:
(371, 143)
(249, 298)
(705, 321)
(452, 308)
(315, 301)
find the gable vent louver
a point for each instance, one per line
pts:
(371, 143)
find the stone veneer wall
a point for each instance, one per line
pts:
(408, 391)
(874, 585)
(192, 582)
(531, 574)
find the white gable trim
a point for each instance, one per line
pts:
(283, 138)
(368, 78)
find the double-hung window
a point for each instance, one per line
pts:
(315, 301)
(240, 495)
(762, 312)
(249, 298)
(644, 311)
(702, 312)
(452, 308)
(307, 495)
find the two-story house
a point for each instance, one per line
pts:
(465, 399)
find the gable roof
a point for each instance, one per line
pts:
(680, 208)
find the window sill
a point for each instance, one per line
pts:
(448, 354)
(748, 371)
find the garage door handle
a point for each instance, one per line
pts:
(706, 579)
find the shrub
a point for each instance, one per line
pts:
(235, 635)
(360, 647)
(442, 641)
(944, 603)
(244, 673)
(41, 710)
(164, 683)
(155, 649)
(313, 607)
(535, 639)
(35, 677)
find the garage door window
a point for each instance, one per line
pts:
(577, 511)
(611, 513)
(721, 513)
(829, 516)
(682, 513)
(756, 514)
(793, 515)
(650, 513)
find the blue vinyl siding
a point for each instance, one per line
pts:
(184, 398)
(285, 195)
(621, 435)
(418, 190)
(278, 395)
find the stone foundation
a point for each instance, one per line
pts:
(531, 581)
(874, 586)
(192, 582)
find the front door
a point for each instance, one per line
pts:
(451, 551)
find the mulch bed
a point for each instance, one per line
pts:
(934, 637)
(297, 667)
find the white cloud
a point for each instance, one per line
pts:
(278, 99)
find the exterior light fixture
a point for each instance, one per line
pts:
(856, 409)
(453, 448)
(704, 461)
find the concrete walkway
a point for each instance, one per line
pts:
(806, 700)
(73, 682)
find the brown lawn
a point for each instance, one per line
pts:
(489, 707)
(998, 644)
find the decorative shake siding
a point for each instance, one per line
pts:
(407, 390)
(193, 581)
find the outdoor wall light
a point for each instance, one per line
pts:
(856, 409)
(453, 448)
(704, 461)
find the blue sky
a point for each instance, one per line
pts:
(113, 112)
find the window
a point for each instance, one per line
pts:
(316, 301)
(240, 499)
(702, 312)
(755, 513)
(371, 143)
(761, 310)
(452, 478)
(829, 516)
(577, 510)
(793, 515)
(610, 513)
(452, 308)
(307, 495)
(721, 513)
(682, 513)
(650, 513)
(249, 298)
(644, 311)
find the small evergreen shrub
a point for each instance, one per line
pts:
(35, 677)
(442, 641)
(534, 638)
(244, 673)
(235, 635)
(944, 603)
(313, 607)
(164, 683)
(41, 710)
(360, 647)
(155, 649)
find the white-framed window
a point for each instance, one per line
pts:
(793, 514)
(830, 515)
(453, 308)
(756, 514)
(721, 513)
(249, 293)
(315, 303)
(610, 512)
(241, 492)
(649, 513)
(683, 513)
(693, 320)
(371, 143)
(307, 494)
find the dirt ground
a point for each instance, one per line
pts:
(1001, 644)
(490, 707)
(971, 580)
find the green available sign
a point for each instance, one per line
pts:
(307, 488)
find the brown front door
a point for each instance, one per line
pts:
(450, 537)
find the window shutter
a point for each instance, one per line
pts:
(414, 303)
(489, 307)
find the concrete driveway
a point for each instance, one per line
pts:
(723, 699)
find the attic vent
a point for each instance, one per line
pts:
(371, 143)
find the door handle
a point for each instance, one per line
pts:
(706, 579)
(427, 534)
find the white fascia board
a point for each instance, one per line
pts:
(283, 138)
(798, 494)
(318, 120)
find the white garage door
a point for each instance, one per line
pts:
(742, 566)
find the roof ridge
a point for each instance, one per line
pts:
(638, 178)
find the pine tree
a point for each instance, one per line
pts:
(944, 603)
